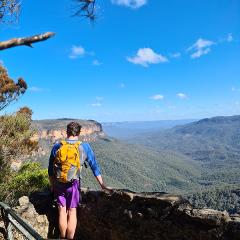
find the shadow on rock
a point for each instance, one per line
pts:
(44, 204)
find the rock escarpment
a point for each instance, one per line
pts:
(125, 215)
(56, 129)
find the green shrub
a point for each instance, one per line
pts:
(15, 140)
(30, 178)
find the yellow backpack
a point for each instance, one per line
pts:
(67, 162)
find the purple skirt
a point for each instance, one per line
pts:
(67, 194)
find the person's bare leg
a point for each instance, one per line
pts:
(71, 223)
(62, 221)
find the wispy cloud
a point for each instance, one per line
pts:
(203, 46)
(157, 97)
(146, 56)
(200, 47)
(79, 51)
(234, 89)
(229, 37)
(182, 95)
(134, 4)
(176, 55)
(1, 62)
(96, 63)
(38, 89)
(122, 85)
(96, 104)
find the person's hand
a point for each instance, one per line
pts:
(108, 189)
(103, 186)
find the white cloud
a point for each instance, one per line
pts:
(1, 62)
(200, 52)
(229, 37)
(122, 85)
(200, 47)
(157, 97)
(38, 89)
(77, 51)
(176, 55)
(182, 96)
(96, 63)
(96, 104)
(130, 3)
(235, 89)
(146, 56)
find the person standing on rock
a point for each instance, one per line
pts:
(66, 159)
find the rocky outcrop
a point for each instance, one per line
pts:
(125, 215)
(56, 129)
(27, 211)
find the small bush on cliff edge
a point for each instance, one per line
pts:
(15, 140)
(30, 178)
(15, 144)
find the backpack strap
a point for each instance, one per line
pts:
(63, 142)
(76, 144)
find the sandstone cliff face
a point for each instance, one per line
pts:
(126, 215)
(56, 129)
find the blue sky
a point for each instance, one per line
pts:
(140, 60)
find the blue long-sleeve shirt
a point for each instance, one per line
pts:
(86, 154)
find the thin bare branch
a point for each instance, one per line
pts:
(9, 11)
(86, 9)
(25, 41)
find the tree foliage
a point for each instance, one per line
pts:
(86, 9)
(25, 110)
(9, 10)
(9, 90)
(31, 177)
(220, 198)
(15, 140)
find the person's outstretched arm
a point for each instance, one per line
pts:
(91, 159)
(101, 183)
